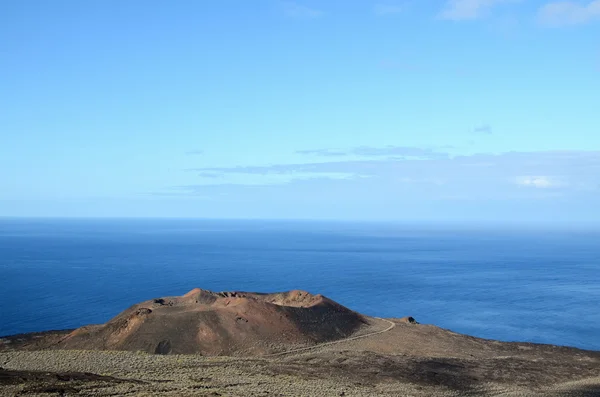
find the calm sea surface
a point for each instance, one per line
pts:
(530, 285)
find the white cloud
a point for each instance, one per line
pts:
(541, 182)
(562, 13)
(458, 10)
(512, 175)
(370, 151)
(387, 9)
(295, 10)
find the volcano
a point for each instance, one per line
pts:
(221, 323)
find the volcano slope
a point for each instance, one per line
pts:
(225, 323)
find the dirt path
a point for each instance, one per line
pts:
(304, 349)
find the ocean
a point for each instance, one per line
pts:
(507, 283)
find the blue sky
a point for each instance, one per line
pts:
(468, 110)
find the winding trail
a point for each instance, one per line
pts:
(303, 349)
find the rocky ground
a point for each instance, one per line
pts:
(403, 360)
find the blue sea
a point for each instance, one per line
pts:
(507, 283)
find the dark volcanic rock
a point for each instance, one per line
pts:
(408, 320)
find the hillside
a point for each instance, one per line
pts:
(225, 323)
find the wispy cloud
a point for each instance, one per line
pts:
(387, 9)
(541, 182)
(459, 10)
(403, 151)
(483, 129)
(323, 152)
(561, 13)
(299, 11)
(386, 151)
(211, 175)
(508, 186)
(479, 175)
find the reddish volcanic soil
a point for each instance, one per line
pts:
(226, 323)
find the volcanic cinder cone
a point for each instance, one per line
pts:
(224, 323)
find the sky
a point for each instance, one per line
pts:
(459, 110)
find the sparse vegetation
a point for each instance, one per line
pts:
(385, 357)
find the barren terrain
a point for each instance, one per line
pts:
(385, 357)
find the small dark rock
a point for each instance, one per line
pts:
(164, 347)
(408, 320)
